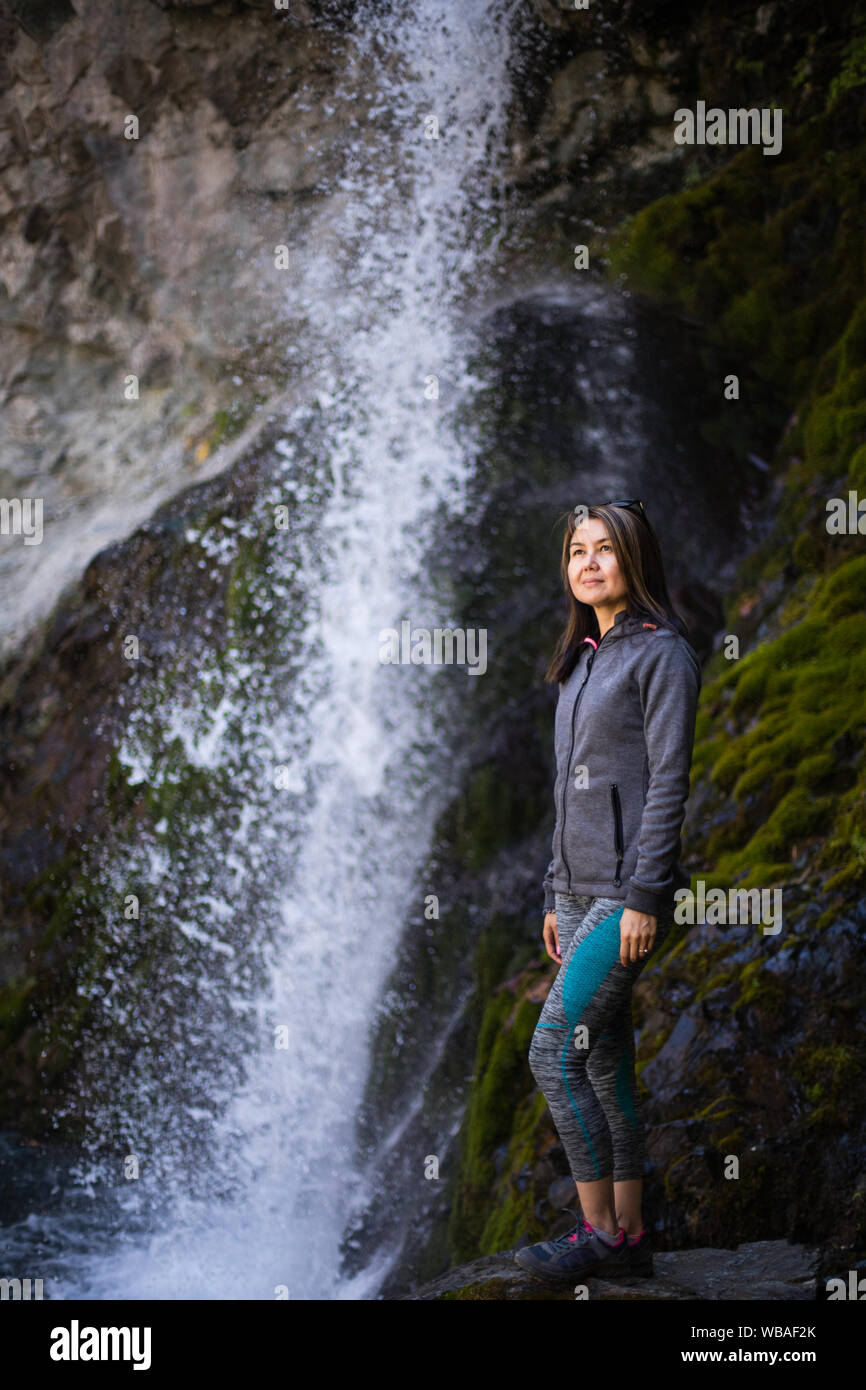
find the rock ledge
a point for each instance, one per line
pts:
(761, 1269)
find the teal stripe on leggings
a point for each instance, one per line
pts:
(623, 1088)
(579, 986)
(576, 1108)
(597, 954)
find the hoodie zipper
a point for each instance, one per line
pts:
(568, 768)
(570, 751)
(562, 833)
(617, 829)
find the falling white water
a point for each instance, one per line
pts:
(384, 288)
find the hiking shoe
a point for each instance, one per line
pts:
(576, 1253)
(640, 1257)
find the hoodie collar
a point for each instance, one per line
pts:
(623, 625)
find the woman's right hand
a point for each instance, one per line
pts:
(551, 937)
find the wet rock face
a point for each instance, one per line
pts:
(596, 141)
(762, 1269)
(64, 704)
(755, 1106)
(151, 256)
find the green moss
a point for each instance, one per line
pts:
(491, 813)
(718, 979)
(758, 986)
(727, 767)
(229, 421)
(857, 472)
(485, 1291)
(717, 1108)
(852, 74)
(501, 1073)
(796, 815)
(243, 599)
(831, 1076)
(43, 1012)
(14, 995)
(721, 251)
(512, 1210)
(795, 701)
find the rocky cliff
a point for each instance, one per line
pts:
(154, 156)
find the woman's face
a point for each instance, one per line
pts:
(593, 570)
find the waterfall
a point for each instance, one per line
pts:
(311, 773)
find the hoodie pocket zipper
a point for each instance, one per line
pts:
(617, 830)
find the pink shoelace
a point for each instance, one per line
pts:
(584, 1226)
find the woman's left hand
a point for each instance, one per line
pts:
(637, 933)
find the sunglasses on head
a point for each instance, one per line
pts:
(632, 502)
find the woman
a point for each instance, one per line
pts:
(625, 720)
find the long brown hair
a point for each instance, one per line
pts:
(639, 557)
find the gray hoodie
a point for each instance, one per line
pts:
(625, 726)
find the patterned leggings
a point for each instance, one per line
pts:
(582, 1050)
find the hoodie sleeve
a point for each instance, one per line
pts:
(547, 884)
(549, 897)
(669, 682)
